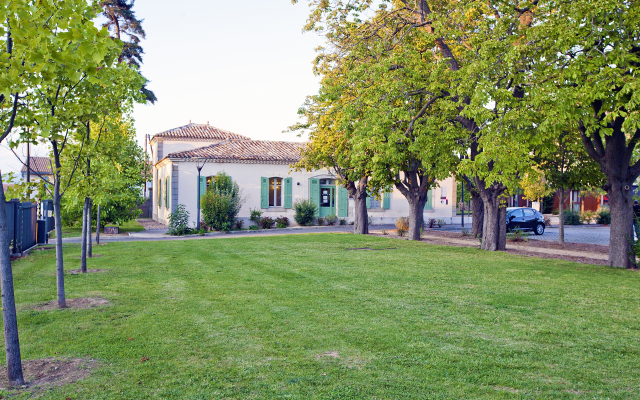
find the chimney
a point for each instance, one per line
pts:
(207, 123)
(189, 122)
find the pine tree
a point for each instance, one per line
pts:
(122, 22)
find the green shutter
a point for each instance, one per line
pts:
(386, 200)
(159, 194)
(429, 204)
(166, 192)
(288, 189)
(264, 192)
(203, 185)
(314, 192)
(343, 202)
(368, 201)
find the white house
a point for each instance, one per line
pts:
(262, 170)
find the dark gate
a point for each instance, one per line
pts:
(21, 220)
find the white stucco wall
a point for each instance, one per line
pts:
(160, 212)
(248, 177)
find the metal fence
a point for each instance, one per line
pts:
(22, 221)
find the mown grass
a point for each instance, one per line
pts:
(76, 231)
(264, 317)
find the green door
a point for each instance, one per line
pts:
(327, 200)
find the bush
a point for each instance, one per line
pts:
(320, 221)
(239, 224)
(440, 223)
(571, 217)
(343, 221)
(402, 225)
(555, 212)
(221, 203)
(305, 212)
(603, 216)
(255, 215)
(431, 222)
(587, 216)
(331, 220)
(179, 221)
(266, 223)
(253, 227)
(282, 222)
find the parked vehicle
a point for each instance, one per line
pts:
(525, 219)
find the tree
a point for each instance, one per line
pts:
(121, 19)
(40, 41)
(221, 203)
(468, 37)
(330, 137)
(114, 183)
(585, 75)
(566, 166)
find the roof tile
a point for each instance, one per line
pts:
(199, 132)
(38, 164)
(246, 151)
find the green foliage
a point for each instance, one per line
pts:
(320, 221)
(239, 224)
(518, 235)
(221, 203)
(343, 221)
(587, 216)
(255, 215)
(179, 221)
(571, 217)
(266, 223)
(282, 222)
(402, 225)
(253, 227)
(603, 216)
(305, 210)
(331, 220)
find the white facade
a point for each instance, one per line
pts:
(175, 181)
(183, 189)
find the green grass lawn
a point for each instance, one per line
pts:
(301, 317)
(67, 232)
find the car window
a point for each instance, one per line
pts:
(516, 214)
(529, 212)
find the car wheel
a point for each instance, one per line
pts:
(539, 229)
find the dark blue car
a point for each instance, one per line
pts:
(525, 219)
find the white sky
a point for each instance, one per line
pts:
(243, 66)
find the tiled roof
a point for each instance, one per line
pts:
(198, 132)
(246, 151)
(38, 164)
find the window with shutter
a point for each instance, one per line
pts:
(429, 204)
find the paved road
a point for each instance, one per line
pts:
(572, 234)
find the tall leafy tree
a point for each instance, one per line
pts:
(586, 75)
(121, 20)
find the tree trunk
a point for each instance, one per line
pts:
(98, 225)
(9, 316)
(416, 215)
(89, 243)
(621, 238)
(83, 250)
(494, 233)
(477, 214)
(62, 303)
(561, 215)
(360, 215)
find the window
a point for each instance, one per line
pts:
(275, 192)
(528, 212)
(375, 203)
(210, 181)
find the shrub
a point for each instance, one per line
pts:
(431, 222)
(205, 226)
(518, 236)
(239, 224)
(331, 220)
(343, 221)
(320, 221)
(255, 215)
(587, 216)
(571, 217)
(305, 212)
(384, 232)
(402, 225)
(221, 203)
(266, 223)
(555, 212)
(466, 232)
(253, 227)
(179, 221)
(603, 216)
(440, 223)
(282, 222)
